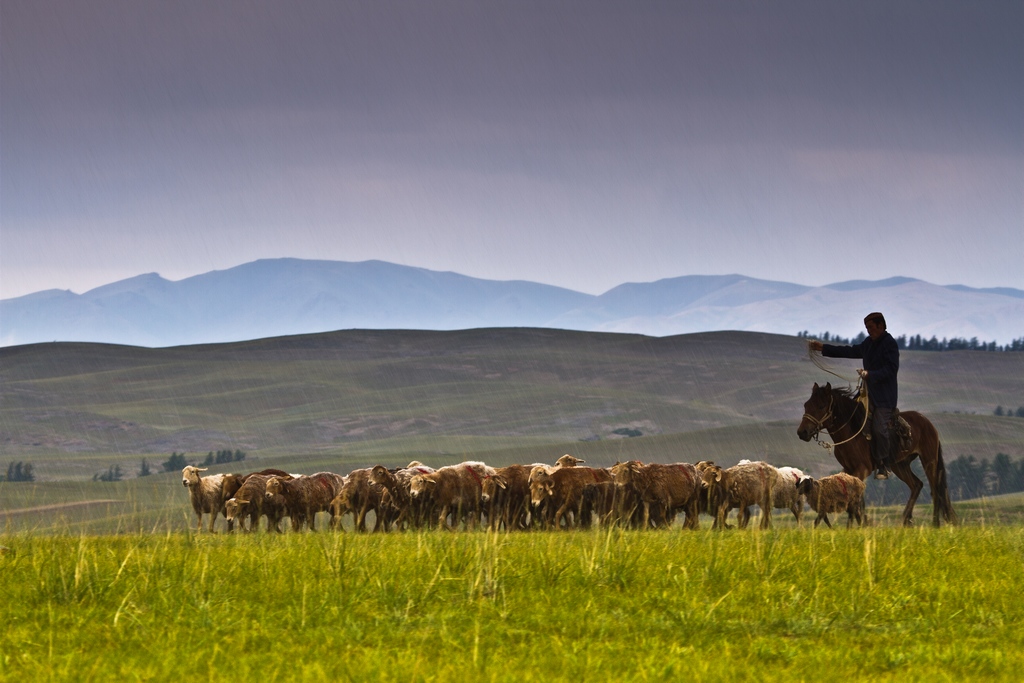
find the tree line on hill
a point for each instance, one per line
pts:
(178, 460)
(919, 343)
(1008, 412)
(175, 463)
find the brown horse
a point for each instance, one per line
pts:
(840, 413)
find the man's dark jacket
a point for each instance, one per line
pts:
(881, 360)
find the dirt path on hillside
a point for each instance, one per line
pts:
(55, 507)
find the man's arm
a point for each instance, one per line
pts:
(833, 351)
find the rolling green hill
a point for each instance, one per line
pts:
(345, 399)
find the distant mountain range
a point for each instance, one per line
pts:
(277, 297)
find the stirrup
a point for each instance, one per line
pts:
(882, 473)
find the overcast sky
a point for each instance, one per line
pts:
(580, 144)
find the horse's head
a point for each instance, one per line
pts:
(817, 412)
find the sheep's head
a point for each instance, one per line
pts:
(235, 508)
(421, 485)
(230, 485)
(190, 475)
(704, 464)
(541, 489)
(379, 475)
(538, 472)
(274, 487)
(805, 486)
(490, 486)
(624, 472)
(711, 475)
(568, 461)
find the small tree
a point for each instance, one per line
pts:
(20, 471)
(112, 474)
(174, 463)
(999, 411)
(208, 460)
(144, 470)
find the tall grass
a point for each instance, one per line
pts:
(790, 604)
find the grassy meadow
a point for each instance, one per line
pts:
(790, 604)
(105, 581)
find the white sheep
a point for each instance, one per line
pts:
(206, 494)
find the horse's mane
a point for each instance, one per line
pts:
(847, 401)
(845, 393)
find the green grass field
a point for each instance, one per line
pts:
(788, 604)
(103, 581)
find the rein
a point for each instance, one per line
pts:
(862, 398)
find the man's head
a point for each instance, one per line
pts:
(874, 323)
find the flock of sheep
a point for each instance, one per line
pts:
(520, 497)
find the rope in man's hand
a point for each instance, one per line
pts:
(814, 353)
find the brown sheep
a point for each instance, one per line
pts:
(305, 496)
(664, 488)
(454, 490)
(834, 494)
(740, 487)
(359, 496)
(562, 490)
(506, 497)
(251, 501)
(397, 484)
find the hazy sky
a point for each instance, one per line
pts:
(580, 144)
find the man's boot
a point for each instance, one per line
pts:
(883, 470)
(883, 465)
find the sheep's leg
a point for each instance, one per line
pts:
(827, 523)
(766, 509)
(743, 517)
(562, 513)
(720, 517)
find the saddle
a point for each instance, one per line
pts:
(899, 431)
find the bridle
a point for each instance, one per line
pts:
(822, 423)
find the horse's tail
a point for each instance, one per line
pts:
(940, 494)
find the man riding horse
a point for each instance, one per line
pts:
(881, 356)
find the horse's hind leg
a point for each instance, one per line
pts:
(907, 476)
